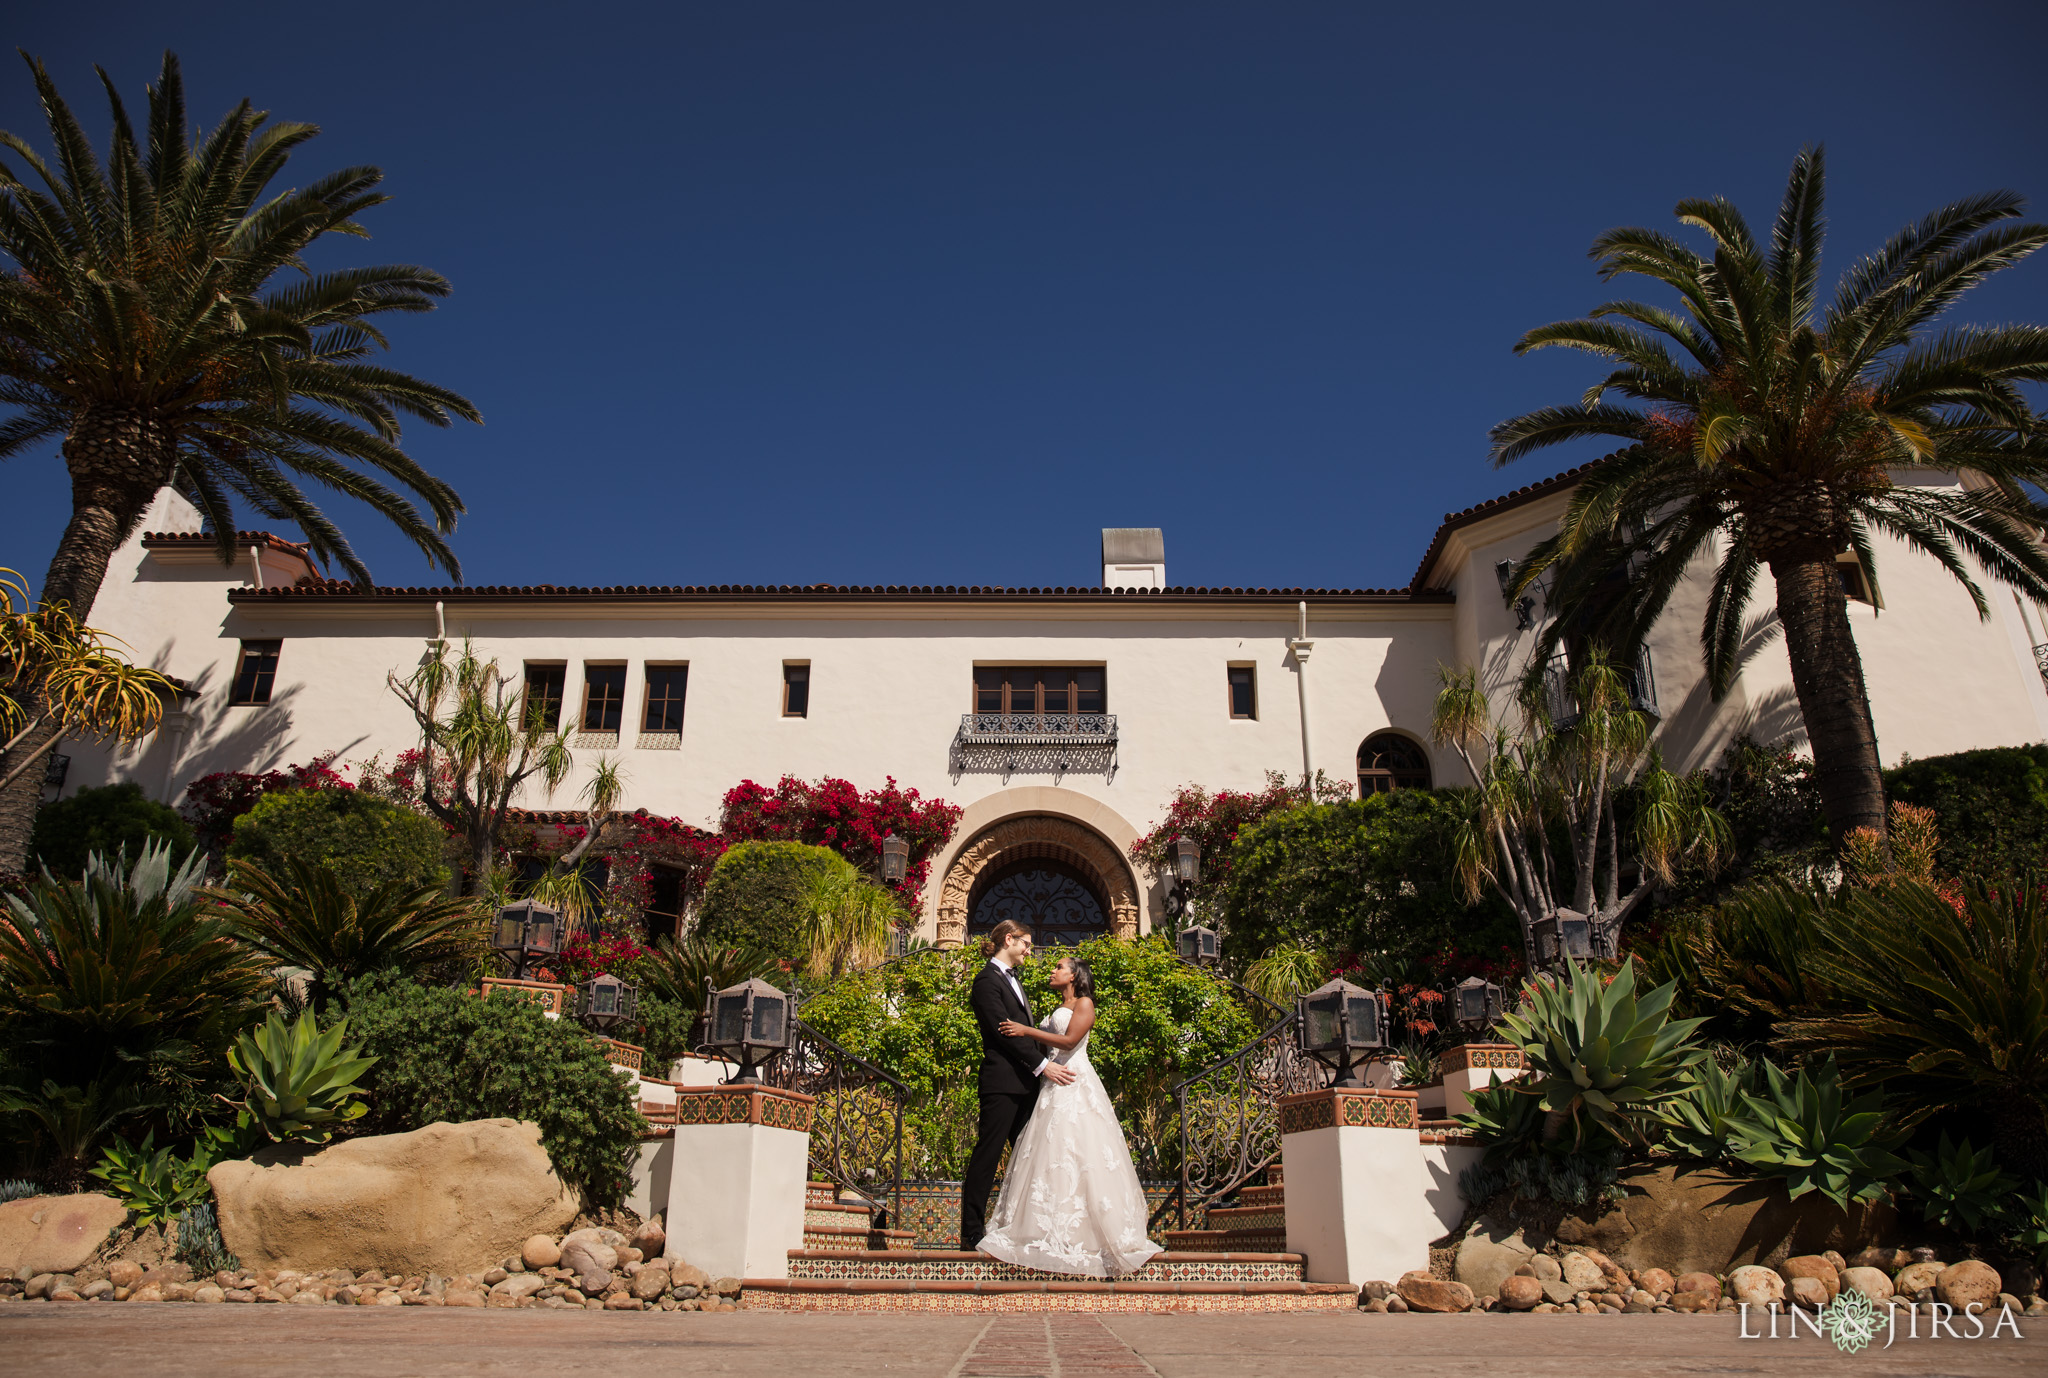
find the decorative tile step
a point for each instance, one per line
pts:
(1247, 1218)
(1225, 1241)
(838, 1214)
(1273, 1198)
(858, 1238)
(953, 1265)
(821, 1193)
(1276, 1175)
(1045, 1294)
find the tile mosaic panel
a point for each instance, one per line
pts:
(744, 1105)
(952, 1266)
(931, 1210)
(1505, 1056)
(1348, 1108)
(777, 1295)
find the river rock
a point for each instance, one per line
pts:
(1685, 1300)
(650, 1282)
(1969, 1282)
(1425, 1293)
(1698, 1282)
(1815, 1267)
(541, 1251)
(1871, 1282)
(1881, 1256)
(1519, 1293)
(1489, 1253)
(1916, 1278)
(1808, 1291)
(1755, 1286)
(124, 1272)
(1703, 1220)
(1613, 1275)
(650, 1238)
(1655, 1281)
(1545, 1268)
(1582, 1273)
(518, 1285)
(591, 1255)
(55, 1234)
(449, 1198)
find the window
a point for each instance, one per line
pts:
(663, 917)
(543, 708)
(1388, 762)
(604, 697)
(255, 672)
(1244, 696)
(796, 690)
(665, 686)
(1855, 582)
(1062, 690)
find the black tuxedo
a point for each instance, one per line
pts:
(1008, 1083)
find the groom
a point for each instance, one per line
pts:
(1011, 1069)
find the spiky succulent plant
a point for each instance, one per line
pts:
(297, 1080)
(1804, 1131)
(1600, 1060)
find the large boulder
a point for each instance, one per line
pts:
(55, 1234)
(449, 1198)
(1488, 1254)
(1706, 1221)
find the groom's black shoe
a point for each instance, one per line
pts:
(970, 1245)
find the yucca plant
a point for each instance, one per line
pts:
(153, 1182)
(1803, 1130)
(298, 1082)
(1959, 1186)
(1599, 1058)
(305, 917)
(1702, 1120)
(1286, 971)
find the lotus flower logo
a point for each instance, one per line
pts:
(1851, 1320)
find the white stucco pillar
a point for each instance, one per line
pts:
(1471, 1066)
(736, 1189)
(1358, 1206)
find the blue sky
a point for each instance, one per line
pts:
(930, 293)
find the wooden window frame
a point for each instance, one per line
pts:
(1230, 690)
(554, 719)
(1038, 689)
(583, 719)
(805, 710)
(263, 680)
(1393, 777)
(681, 700)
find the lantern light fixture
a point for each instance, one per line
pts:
(1187, 861)
(895, 859)
(748, 1024)
(608, 1002)
(1475, 1004)
(1566, 934)
(1341, 1025)
(1198, 945)
(526, 929)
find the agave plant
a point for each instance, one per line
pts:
(1702, 1120)
(1500, 1116)
(307, 918)
(153, 1182)
(1804, 1131)
(1960, 1186)
(15, 1188)
(297, 1080)
(1599, 1058)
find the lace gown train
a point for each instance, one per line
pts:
(1071, 1202)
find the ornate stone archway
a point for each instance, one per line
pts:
(1038, 836)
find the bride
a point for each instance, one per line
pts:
(1070, 1201)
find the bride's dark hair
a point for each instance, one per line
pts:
(1084, 979)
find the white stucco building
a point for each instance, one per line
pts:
(1147, 685)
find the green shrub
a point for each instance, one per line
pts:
(1573, 1179)
(665, 1032)
(2029, 1223)
(1372, 875)
(366, 841)
(1804, 1131)
(1702, 1120)
(757, 896)
(1991, 807)
(1599, 1058)
(447, 1055)
(110, 820)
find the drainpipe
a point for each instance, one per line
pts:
(1302, 648)
(440, 622)
(256, 565)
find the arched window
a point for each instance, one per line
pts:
(1388, 761)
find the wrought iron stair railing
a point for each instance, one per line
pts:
(857, 1122)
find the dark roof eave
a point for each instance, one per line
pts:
(1494, 507)
(341, 592)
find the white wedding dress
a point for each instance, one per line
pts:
(1070, 1201)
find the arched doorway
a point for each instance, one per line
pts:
(1388, 761)
(1064, 873)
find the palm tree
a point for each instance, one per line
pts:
(1773, 427)
(140, 325)
(307, 918)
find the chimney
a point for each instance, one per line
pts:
(1133, 557)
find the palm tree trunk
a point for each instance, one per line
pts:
(118, 461)
(1827, 674)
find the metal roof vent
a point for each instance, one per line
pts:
(1133, 557)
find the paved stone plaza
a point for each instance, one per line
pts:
(228, 1342)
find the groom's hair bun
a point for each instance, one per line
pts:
(1002, 933)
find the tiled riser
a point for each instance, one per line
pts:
(833, 1218)
(1241, 1218)
(1343, 1299)
(904, 1267)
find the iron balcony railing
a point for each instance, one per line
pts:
(2041, 659)
(1037, 729)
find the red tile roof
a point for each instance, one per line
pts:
(339, 589)
(159, 540)
(1453, 520)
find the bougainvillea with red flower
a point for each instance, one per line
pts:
(834, 813)
(214, 802)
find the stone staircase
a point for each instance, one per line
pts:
(832, 1272)
(1256, 1224)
